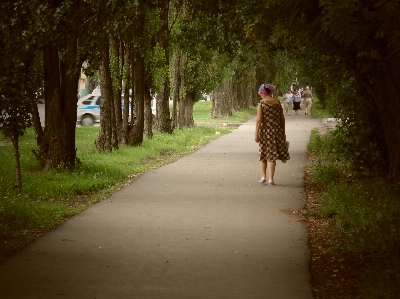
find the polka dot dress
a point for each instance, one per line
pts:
(271, 135)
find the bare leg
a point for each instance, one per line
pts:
(263, 165)
(271, 171)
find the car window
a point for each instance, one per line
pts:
(98, 101)
(88, 101)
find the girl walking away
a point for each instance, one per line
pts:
(270, 133)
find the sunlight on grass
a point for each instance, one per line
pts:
(201, 113)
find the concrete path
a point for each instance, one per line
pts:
(201, 227)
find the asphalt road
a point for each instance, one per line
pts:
(201, 227)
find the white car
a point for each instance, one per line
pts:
(88, 110)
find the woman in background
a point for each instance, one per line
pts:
(296, 101)
(308, 99)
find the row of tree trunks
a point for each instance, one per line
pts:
(240, 92)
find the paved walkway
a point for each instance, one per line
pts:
(201, 227)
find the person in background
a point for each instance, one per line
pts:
(296, 101)
(308, 100)
(301, 96)
(270, 133)
(288, 102)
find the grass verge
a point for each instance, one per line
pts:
(317, 110)
(354, 229)
(202, 110)
(49, 197)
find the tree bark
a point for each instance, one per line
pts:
(128, 103)
(222, 100)
(387, 85)
(18, 179)
(185, 117)
(136, 132)
(148, 117)
(104, 141)
(57, 143)
(53, 151)
(177, 78)
(119, 56)
(163, 114)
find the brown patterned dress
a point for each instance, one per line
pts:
(272, 140)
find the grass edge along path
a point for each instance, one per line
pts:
(49, 197)
(353, 222)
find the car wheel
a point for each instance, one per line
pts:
(87, 120)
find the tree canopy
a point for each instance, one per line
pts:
(348, 51)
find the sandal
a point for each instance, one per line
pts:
(262, 181)
(271, 184)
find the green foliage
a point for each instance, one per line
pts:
(325, 174)
(321, 145)
(318, 110)
(356, 142)
(17, 68)
(363, 25)
(367, 212)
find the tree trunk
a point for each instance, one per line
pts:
(128, 103)
(104, 141)
(18, 179)
(177, 78)
(163, 114)
(119, 56)
(53, 150)
(136, 133)
(57, 144)
(148, 117)
(221, 101)
(387, 85)
(188, 112)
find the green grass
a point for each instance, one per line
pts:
(366, 211)
(201, 113)
(48, 197)
(317, 110)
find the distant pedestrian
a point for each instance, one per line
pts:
(308, 100)
(301, 90)
(270, 133)
(296, 101)
(288, 102)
